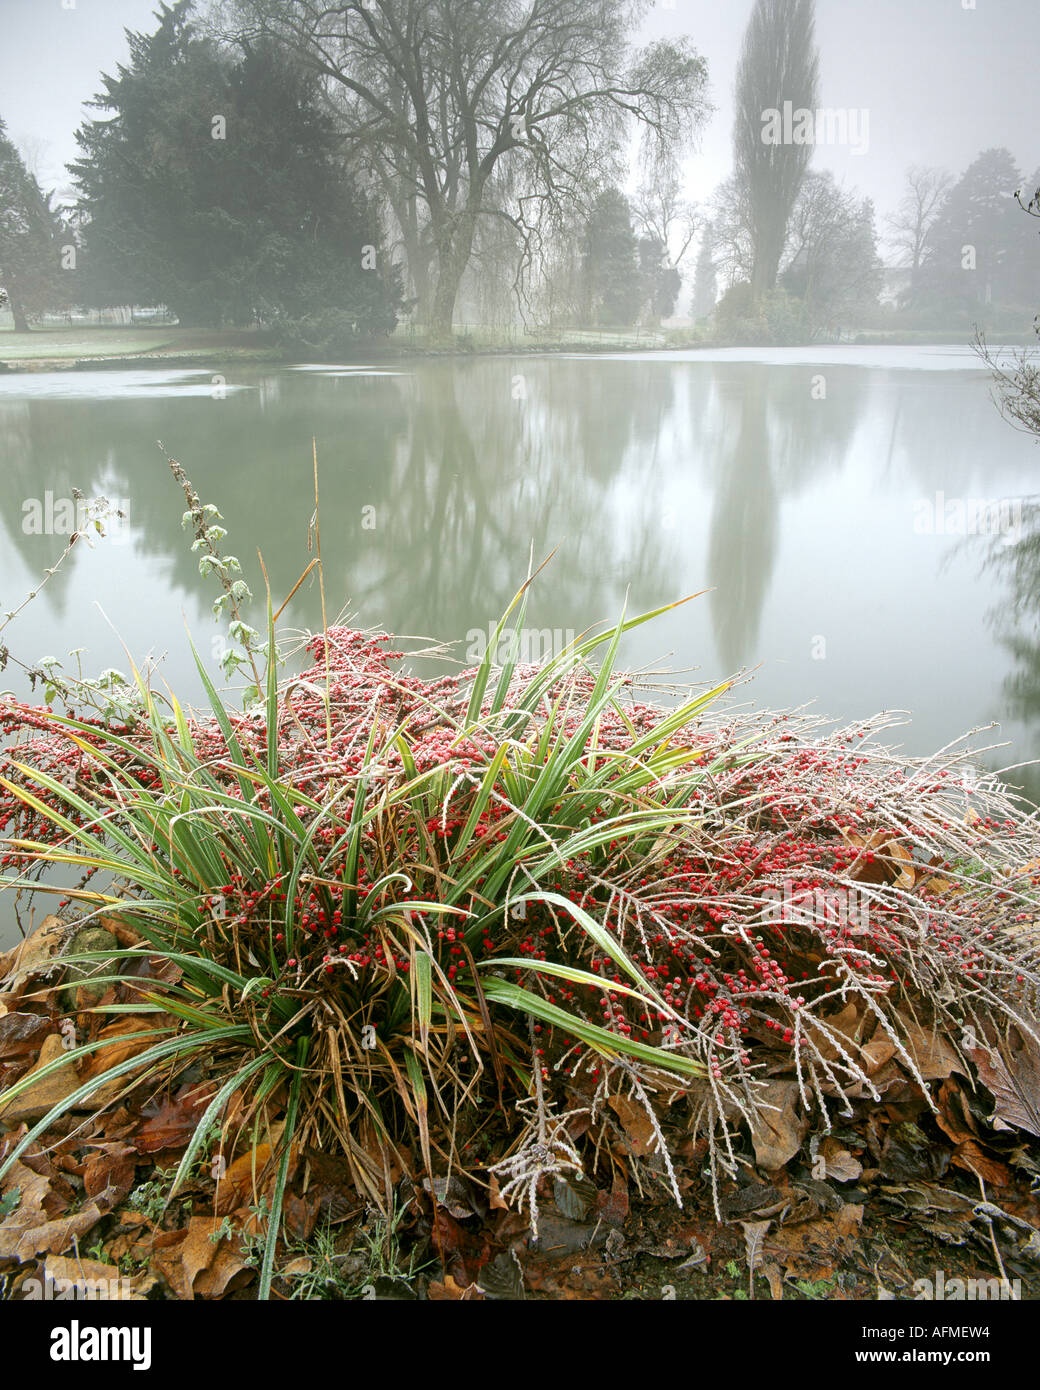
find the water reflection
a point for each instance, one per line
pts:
(1015, 619)
(785, 485)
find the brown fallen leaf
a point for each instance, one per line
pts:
(176, 1120)
(81, 1278)
(21, 1240)
(868, 866)
(901, 864)
(244, 1178)
(776, 1283)
(166, 1261)
(331, 1181)
(198, 1251)
(841, 1165)
(779, 1127)
(128, 1030)
(933, 1056)
(45, 1092)
(815, 1249)
(569, 1277)
(300, 1215)
(110, 1171)
(227, 1273)
(196, 1266)
(612, 1207)
(877, 1052)
(973, 1157)
(954, 1117)
(845, 1027)
(34, 954)
(447, 1289)
(125, 934)
(22, 1034)
(638, 1126)
(1011, 1073)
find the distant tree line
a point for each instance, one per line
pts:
(800, 255)
(325, 169)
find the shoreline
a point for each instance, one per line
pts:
(171, 356)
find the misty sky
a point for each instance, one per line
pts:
(940, 82)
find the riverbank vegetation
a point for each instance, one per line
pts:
(329, 178)
(508, 944)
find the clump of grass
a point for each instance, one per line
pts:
(380, 901)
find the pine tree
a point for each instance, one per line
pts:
(30, 239)
(613, 290)
(981, 249)
(216, 185)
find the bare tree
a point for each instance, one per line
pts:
(778, 64)
(734, 248)
(437, 96)
(910, 225)
(664, 215)
(831, 260)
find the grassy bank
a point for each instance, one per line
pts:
(93, 348)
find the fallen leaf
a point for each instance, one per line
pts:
(166, 1261)
(243, 1179)
(198, 1251)
(779, 1127)
(43, 1094)
(23, 1033)
(176, 1120)
(300, 1214)
(776, 1283)
(447, 1289)
(815, 1249)
(1012, 1076)
(908, 1153)
(452, 1194)
(847, 1024)
(109, 1173)
(574, 1196)
(612, 1207)
(901, 864)
(569, 1277)
(951, 1116)
(124, 934)
(79, 1278)
(877, 1052)
(841, 1165)
(462, 1253)
(637, 1124)
(22, 1240)
(933, 1056)
(754, 1234)
(971, 1156)
(502, 1277)
(35, 953)
(128, 1029)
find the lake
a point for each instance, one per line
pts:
(820, 495)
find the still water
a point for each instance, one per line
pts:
(816, 494)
